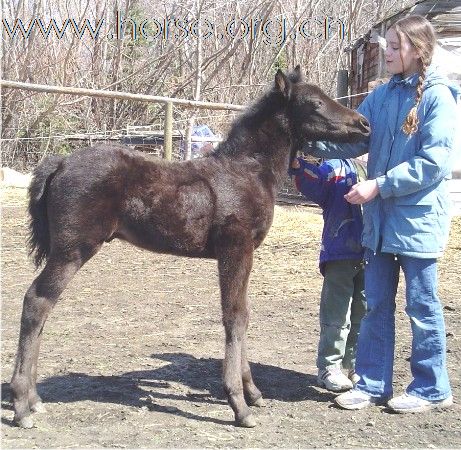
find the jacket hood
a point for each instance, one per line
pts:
(433, 77)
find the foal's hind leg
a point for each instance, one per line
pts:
(252, 393)
(235, 257)
(38, 302)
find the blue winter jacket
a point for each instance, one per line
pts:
(411, 214)
(326, 185)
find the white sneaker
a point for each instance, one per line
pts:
(333, 379)
(355, 399)
(410, 404)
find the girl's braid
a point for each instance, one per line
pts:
(411, 122)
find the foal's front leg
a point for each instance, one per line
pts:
(235, 258)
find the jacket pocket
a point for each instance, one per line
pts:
(416, 228)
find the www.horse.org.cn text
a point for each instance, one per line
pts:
(272, 31)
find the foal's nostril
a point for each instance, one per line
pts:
(364, 125)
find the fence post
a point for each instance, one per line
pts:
(343, 85)
(168, 133)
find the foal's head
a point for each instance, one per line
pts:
(315, 116)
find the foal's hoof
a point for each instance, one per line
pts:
(259, 402)
(247, 422)
(39, 407)
(25, 422)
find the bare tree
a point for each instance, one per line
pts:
(216, 50)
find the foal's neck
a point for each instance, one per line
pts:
(273, 146)
(262, 133)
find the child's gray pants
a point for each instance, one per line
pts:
(342, 306)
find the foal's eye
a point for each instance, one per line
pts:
(317, 104)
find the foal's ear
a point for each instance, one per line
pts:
(296, 76)
(282, 84)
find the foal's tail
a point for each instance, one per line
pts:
(39, 233)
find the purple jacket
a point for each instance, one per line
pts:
(326, 185)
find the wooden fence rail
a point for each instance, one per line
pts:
(167, 101)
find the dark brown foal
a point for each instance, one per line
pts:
(220, 206)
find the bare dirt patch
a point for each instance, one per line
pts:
(131, 355)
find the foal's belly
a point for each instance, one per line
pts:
(189, 239)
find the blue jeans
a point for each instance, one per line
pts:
(375, 352)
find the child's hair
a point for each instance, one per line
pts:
(421, 35)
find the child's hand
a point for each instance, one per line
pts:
(362, 192)
(295, 164)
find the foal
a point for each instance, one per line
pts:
(220, 207)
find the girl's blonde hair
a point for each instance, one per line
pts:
(421, 35)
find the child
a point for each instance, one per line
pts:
(342, 302)
(406, 217)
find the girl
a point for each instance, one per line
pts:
(406, 220)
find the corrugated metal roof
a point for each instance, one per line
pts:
(445, 16)
(439, 12)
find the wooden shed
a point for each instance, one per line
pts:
(367, 67)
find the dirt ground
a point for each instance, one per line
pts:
(131, 355)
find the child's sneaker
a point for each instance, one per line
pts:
(333, 379)
(355, 399)
(410, 404)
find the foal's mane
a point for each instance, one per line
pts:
(268, 109)
(265, 109)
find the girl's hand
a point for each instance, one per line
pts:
(362, 192)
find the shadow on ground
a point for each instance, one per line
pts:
(184, 378)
